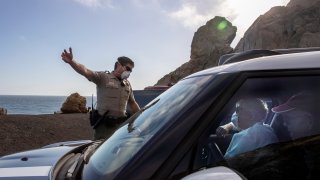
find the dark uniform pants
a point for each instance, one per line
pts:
(104, 131)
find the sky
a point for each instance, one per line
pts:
(156, 34)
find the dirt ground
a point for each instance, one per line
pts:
(25, 132)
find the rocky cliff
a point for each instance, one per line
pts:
(209, 42)
(295, 25)
(292, 26)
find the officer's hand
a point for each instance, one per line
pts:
(67, 56)
(221, 132)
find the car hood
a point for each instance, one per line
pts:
(35, 164)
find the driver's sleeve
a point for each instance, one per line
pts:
(240, 143)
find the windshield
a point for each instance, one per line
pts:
(114, 153)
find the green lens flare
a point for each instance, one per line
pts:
(222, 25)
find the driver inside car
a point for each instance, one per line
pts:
(253, 132)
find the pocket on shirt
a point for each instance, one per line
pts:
(113, 91)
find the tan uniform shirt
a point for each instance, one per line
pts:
(112, 95)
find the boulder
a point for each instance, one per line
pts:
(209, 42)
(74, 104)
(3, 111)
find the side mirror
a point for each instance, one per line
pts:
(215, 173)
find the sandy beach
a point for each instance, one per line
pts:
(25, 132)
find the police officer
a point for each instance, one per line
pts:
(114, 92)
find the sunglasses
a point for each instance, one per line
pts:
(128, 68)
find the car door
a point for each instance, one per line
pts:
(293, 151)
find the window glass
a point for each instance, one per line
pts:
(267, 125)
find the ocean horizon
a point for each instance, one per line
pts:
(35, 104)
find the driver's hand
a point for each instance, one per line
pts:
(221, 132)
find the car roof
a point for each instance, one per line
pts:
(254, 53)
(304, 60)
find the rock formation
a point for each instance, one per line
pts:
(292, 26)
(295, 25)
(74, 104)
(209, 43)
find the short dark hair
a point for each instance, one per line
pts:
(123, 60)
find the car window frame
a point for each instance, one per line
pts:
(243, 76)
(218, 105)
(189, 141)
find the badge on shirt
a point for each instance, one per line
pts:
(112, 84)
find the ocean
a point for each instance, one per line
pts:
(20, 104)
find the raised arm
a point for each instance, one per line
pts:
(67, 57)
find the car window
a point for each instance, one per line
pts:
(265, 127)
(114, 153)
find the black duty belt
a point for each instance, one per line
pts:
(113, 121)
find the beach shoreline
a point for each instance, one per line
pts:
(21, 132)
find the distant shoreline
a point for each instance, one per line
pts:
(34, 105)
